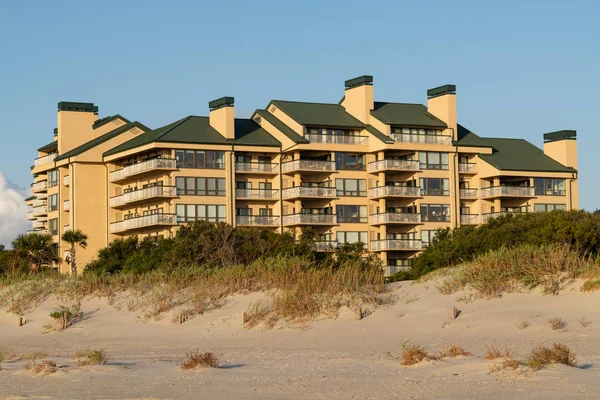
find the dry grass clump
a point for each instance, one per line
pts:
(522, 324)
(542, 356)
(412, 354)
(91, 357)
(557, 323)
(591, 285)
(198, 360)
(505, 364)
(46, 367)
(494, 353)
(454, 351)
(584, 322)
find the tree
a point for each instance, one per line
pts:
(74, 238)
(34, 251)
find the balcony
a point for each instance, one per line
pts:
(470, 219)
(41, 210)
(257, 220)
(143, 222)
(30, 215)
(308, 165)
(164, 192)
(155, 164)
(467, 168)
(38, 225)
(38, 187)
(256, 168)
(421, 139)
(67, 205)
(38, 162)
(396, 244)
(309, 219)
(394, 165)
(393, 269)
(468, 193)
(486, 217)
(508, 191)
(256, 194)
(66, 180)
(395, 191)
(394, 218)
(309, 192)
(336, 139)
(325, 245)
(38, 203)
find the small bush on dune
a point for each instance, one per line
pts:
(542, 356)
(454, 351)
(493, 353)
(91, 357)
(197, 360)
(591, 285)
(412, 354)
(46, 367)
(557, 323)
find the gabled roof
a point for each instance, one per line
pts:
(469, 139)
(283, 128)
(406, 115)
(250, 133)
(379, 135)
(101, 139)
(106, 120)
(318, 114)
(53, 145)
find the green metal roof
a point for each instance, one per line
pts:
(31, 198)
(101, 139)
(469, 139)
(197, 130)
(106, 120)
(318, 114)
(53, 145)
(283, 128)
(380, 135)
(405, 114)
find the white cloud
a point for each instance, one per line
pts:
(13, 211)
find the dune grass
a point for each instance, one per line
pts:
(91, 357)
(198, 360)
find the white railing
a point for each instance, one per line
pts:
(396, 244)
(324, 245)
(397, 165)
(66, 180)
(40, 210)
(144, 166)
(255, 167)
(307, 165)
(467, 168)
(394, 218)
(398, 191)
(392, 269)
(67, 205)
(336, 139)
(140, 222)
(256, 220)
(256, 193)
(470, 219)
(306, 191)
(423, 139)
(309, 219)
(143, 194)
(467, 193)
(44, 159)
(39, 186)
(38, 224)
(513, 191)
(38, 203)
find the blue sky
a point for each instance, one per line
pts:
(521, 68)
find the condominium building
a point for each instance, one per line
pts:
(385, 174)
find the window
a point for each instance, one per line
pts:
(549, 207)
(53, 178)
(435, 186)
(433, 160)
(351, 187)
(329, 131)
(351, 214)
(200, 159)
(549, 187)
(201, 212)
(352, 237)
(427, 237)
(350, 161)
(435, 212)
(400, 262)
(243, 211)
(53, 226)
(53, 202)
(400, 236)
(416, 131)
(191, 186)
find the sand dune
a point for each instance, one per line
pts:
(328, 359)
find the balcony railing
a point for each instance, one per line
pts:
(143, 194)
(42, 210)
(395, 191)
(395, 218)
(308, 165)
(486, 217)
(261, 168)
(66, 180)
(309, 219)
(44, 159)
(396, 244)
(325, 245)
(38, 224)
(30, 215)
(394, 165)
(154, 164)
(508, 191)
(467, 193)
(336, 139)
(38, 203)
(41, 186)
(467, 168)
(143, 221)
(258, 194)
(257, 220)
(393, 269)
(67, 205)
(470, 219)
(422, 139)
(305, 191)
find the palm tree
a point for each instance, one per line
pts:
(34, 251)
(74, 238)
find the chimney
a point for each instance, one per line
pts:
(222, 116)
(441, 102)
(75, 122)
(562, 146)
(358, 99)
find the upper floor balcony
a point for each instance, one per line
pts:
(256, 194)
(508, 191)
(324, 245)
(309, 219)
(30, 215)
(395, 191)
(154, 164)
(336, 139)
(38, 187)
(396, 244)
(309, 192)
(38, 203)
(41, 210)
(308, 166)
(468, 193)
(394, 218)
(256, 168)
(470, 219)
(421, 138)
(144, 221)
(39, 224)
(257, 220)
(394, 165)
(467, 168)
(154, 192)
(47, 159)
